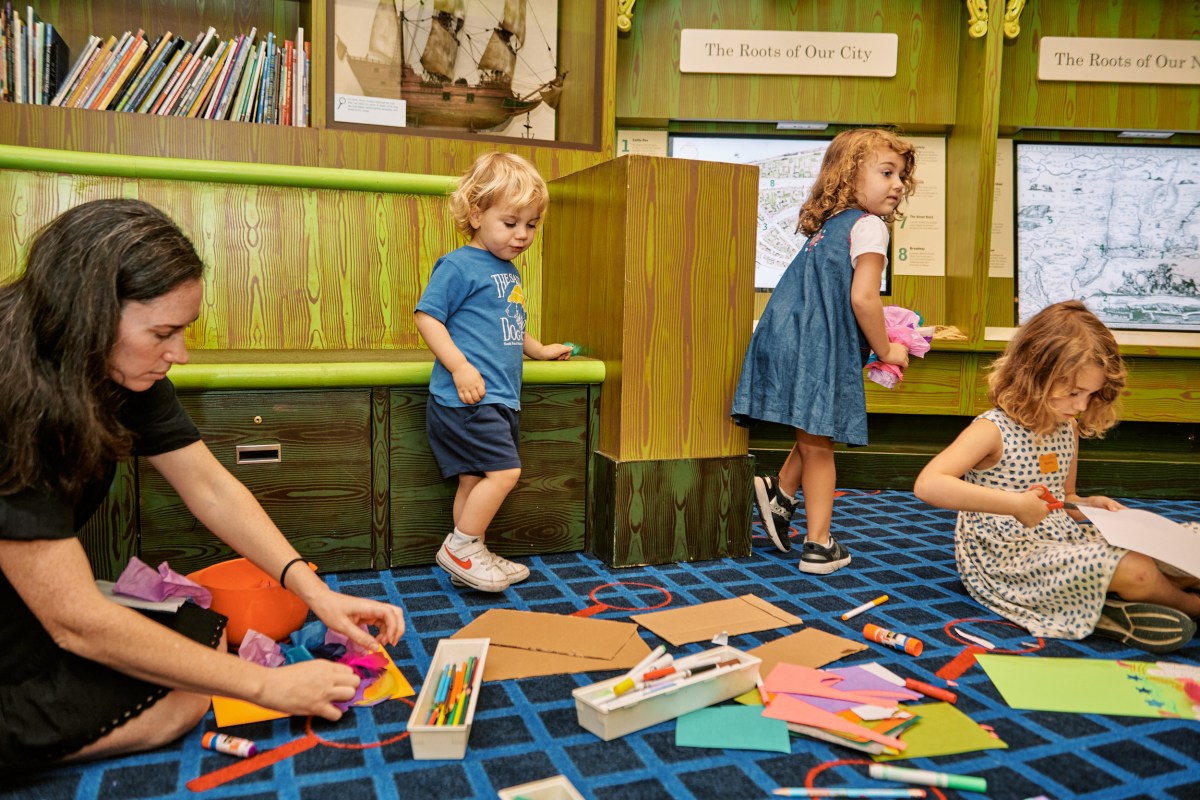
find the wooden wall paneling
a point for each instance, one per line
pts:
(650, 88)
(319, 495)
(381, 478)
(545, 513)
(1163, 389)
(931, 385)
(1028, 102)
(971, 158)
(110, 537)
(582, 289)
(924, 294)
(1001, 311)
(688, 275)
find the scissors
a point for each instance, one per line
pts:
(1050, 500)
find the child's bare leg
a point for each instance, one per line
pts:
(1138, 578)
(819, 480)
(789, 473)
(481, 501)
(466, 483)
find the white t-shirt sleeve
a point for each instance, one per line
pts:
(869, 235)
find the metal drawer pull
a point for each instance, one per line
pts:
(259, 453)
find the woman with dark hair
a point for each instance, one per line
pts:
(87, 336)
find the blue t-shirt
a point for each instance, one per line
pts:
(478, 298)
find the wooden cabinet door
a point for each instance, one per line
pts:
(306, 456)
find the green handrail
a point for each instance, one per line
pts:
(40, 159)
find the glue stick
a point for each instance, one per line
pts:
(230, 745)
(874, 633)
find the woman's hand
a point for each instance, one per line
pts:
(1030, 508)
(309, 688)
(469, 383)
(347, 615)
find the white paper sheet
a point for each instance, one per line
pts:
(1148, 533)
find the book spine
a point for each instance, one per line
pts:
(265, 81)
(236, 75)
(3, 56)
(154, 93)
(306, 94)
(175, 76)
(124, 73)
(141, 75)
(100, 78)
(81, 64)
(285, 90)
(298, 81)
(192, 85)
(246, 89)
(85, 82)
(194, 62)
(215, 69)
(154, 67)
(120, 71)
(59, 62)
(218, 89)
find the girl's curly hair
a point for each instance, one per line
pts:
(493, 179)
(1042, 361)
(833, 190)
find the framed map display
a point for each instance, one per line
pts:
(1116, 226)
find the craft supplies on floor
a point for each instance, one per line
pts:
(440, 722)
(609, 715)
(556, 788)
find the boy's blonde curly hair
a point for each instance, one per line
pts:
(1042, 361)
(833, 191)
(496, 179)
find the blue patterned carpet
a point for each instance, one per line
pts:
(526, 729)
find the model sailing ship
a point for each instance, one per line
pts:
(433, 97)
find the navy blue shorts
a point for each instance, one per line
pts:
(474, 439)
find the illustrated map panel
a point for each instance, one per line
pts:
(1116, 227)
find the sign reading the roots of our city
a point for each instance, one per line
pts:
(1078, 58)
(788, 52)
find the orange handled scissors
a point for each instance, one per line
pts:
(1049, 499)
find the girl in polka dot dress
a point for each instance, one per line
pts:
(1040, 568)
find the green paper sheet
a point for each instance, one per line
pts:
(732, 728)
(1087, 686)
(942, 730)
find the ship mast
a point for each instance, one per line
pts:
(499, 59)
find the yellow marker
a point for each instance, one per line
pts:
(624, 686)
(854, 612)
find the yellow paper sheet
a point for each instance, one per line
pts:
(942, 730)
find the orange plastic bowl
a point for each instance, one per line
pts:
(251, 599)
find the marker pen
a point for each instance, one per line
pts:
(854, 612)
(967, 783)
(931, 691)
(846, 791)
(686, 672)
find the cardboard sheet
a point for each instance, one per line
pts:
(808, 648)
(525, 644)
(700, 623)
(390, 686)
(1146, 532)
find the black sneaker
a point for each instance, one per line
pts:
(1146, 626)
(775, 511)
(818, 559)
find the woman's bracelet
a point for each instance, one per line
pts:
(283, 573)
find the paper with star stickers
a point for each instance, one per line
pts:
(1095, 686)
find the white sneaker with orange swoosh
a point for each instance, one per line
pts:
(473, 565)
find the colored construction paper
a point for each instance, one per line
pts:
(732, 728)
(943, 730)
(810, 647)
(390, 686)
(700, 623)
(791, 709)
(816, 685)
(1088, 686)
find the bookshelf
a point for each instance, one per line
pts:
(587, 48)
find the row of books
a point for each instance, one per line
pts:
(33, 56)
(245, 78)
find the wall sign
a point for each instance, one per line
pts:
(788, 53)
(1070, 58)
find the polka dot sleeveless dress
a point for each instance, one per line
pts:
(1050, 579)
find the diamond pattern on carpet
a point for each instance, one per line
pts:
(525, 730)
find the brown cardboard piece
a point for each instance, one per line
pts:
(700, 623)
(525, 644)
(808, 648)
